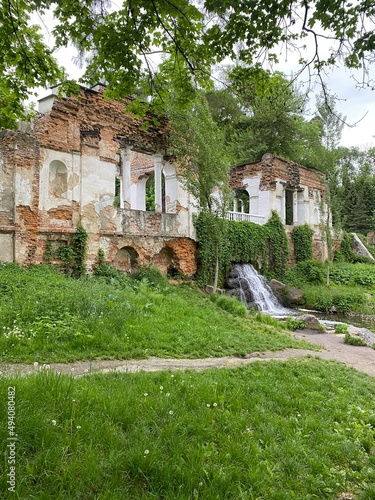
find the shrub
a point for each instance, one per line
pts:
(341, 328)
(292, 323)
(312, 271)
(349, 339)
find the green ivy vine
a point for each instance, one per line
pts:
(264, 246)
(71, 255)
(302, 241)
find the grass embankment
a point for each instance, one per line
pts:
(280, 430)
(47, 317)
(352, 286)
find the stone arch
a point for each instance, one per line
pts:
(241, 202)
(126, 259)
(58, 179)
(167, 261)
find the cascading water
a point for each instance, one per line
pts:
(253, 284)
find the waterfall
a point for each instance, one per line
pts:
(261, 294)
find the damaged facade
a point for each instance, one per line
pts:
(88, 161)
(296, 193)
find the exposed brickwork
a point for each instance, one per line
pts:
(272, 168)
(70, 120)
(72, 147)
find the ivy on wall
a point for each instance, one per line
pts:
(302, 241)
(71, 255)
(264, 246)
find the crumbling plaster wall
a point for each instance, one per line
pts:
(64, 172)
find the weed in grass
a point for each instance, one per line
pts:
(303, 427)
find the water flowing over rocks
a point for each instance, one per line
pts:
(251, 288)
(287, 296)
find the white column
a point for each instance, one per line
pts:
(158, 174)
(235, 205)
(126, 178)
(295, 208)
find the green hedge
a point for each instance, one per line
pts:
(264, 246)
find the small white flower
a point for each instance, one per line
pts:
(53, 422)
(146, 452)
(86, 370)
(145, 393)
(171, 412)
(161, 387)
(172, 376)
(78, 426)
(36, 363)
(215, 404)
(208, 405)
(167, 394)
(73, 400)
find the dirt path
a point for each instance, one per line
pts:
(333, 348)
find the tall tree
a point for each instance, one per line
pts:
(199, 146)
(118, 42)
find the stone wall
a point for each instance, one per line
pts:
(63, 171)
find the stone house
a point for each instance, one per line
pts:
(295, 192)
(85, 159)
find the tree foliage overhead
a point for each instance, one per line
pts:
(118, 42)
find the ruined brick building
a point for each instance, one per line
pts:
(295, 192)
(85, 159)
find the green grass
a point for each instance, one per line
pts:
(352, 288)
(47, 317)
(276, 431)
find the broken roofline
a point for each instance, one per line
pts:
(247, 164)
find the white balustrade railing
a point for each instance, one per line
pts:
(241, 216)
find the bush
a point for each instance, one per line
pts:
(312, 271)
(229, 304)
(294, 324)
(341, 328)
(353, 340)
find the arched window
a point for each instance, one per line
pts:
(126, 260)
(58, 179)
(241, 201)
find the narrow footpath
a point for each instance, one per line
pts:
(333, 348)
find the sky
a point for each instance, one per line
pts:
(354, 103)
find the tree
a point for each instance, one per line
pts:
(119, 43)
(199, 147)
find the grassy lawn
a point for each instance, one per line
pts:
(47, 317)
(276, 431)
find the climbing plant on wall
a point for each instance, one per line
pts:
(72, 256)
(265, 247)
(302, 240)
